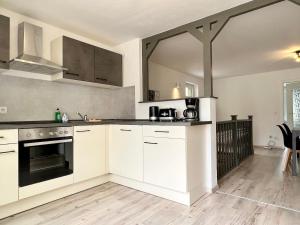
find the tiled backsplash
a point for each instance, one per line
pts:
(28, 99)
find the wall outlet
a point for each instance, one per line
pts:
(3, 109)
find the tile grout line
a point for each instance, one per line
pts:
(260, 202)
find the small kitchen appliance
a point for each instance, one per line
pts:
(153, 113)
(192, 111)
(168, 114)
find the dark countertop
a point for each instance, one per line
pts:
(35, 124)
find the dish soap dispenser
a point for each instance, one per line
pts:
(58, 116)
(65, 118)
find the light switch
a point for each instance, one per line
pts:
(3, 109)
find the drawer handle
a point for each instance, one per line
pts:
(125, 130)
(150, 143)
(2, 61)
(73, 74)
(12, 151)
(162, 131)
(1, 137)
(82, 131)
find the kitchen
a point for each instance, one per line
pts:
(101, 140)
(146, 112)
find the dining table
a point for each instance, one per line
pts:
(295, 135)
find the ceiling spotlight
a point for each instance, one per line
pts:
(297, 55)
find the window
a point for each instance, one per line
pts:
(191, 90)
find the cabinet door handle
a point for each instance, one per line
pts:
(102, 79)
(73, 74)
(12, 151)
(2, 61)
(82, 131)
(150, 143)
(1, 137)
(125, 130)
(162, 131)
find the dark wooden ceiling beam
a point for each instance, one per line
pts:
(150, 48)
(296, 1)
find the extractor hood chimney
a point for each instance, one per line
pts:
(30, 52)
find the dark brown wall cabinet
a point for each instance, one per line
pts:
(108, 67)
(89, 63)
(78, 58)
(4, 41)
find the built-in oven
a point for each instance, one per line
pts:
(45, 154)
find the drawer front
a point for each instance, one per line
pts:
(125, 129)
(164, 131)
(8, 137)
(9, 148)
(45, 186)
(85, 129)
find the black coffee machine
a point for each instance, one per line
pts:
(192, 111)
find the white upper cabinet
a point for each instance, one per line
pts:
(89, 152)
(126, 151)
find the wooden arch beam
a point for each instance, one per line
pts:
(218, 27)
(296, 1)
(196, 33)
(206, 37)
(150, 48)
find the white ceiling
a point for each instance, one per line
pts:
(256, 42)
(116, 21)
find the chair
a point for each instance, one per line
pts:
(287, 129)
(290, 136)
(287, 140)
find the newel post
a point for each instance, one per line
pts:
(234, 117)
(250, 117)
(234, 139)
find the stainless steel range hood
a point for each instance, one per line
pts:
(30, 51)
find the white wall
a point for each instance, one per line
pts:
(164, 80)
(260, 95)
(132, 67)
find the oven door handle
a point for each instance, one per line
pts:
(47, 143)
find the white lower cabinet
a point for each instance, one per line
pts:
(9, 187)
(126, 151)
(89, 152)
(165, 163)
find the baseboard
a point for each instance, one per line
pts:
(180, 197)
(275, 147)
(215, 189)
(196, 194)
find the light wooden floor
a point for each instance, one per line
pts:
(260, 178)
(114, 204)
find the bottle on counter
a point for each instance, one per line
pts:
(65, 118)
(58, 117)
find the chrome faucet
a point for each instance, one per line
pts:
(84, 118)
